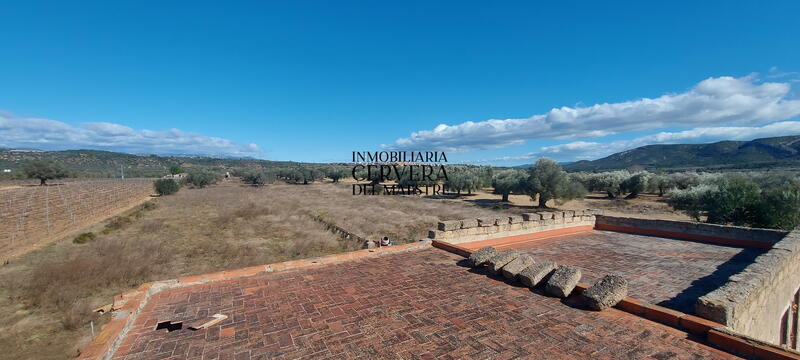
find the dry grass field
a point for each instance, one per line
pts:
(46, 295)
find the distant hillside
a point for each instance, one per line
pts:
(776, 152)
(97, 163)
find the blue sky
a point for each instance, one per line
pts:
(313, 81)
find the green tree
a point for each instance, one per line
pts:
(175, 170)
(609, 182)
(733, 203)
(336, 173)
(778, 209)
(636, 184)
(549, 181)
(44, 170)
(660, 184)
(508, 181)
(165, 187)
(257, 178)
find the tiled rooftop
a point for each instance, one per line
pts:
(417, 304)
(667, 272)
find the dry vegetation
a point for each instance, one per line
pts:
(46, 295)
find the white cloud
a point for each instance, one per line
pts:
(724, 100)
(592, 150)
(44, 134)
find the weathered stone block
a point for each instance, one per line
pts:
(486, 221)
(563, 281)
(500, 259)
(545, 215)
(469, 223)
(534, 274)
(569, 213)
(531, 216)
(449, 225)
(516, 219)
(480, 257)
(607, 292)
(513, 268)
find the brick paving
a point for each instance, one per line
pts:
(668, 272)
(415, 305)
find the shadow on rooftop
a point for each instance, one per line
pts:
(686, 299)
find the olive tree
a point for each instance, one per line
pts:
(508, 181)
(549, 181)
(44, 170)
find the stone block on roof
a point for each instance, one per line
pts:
(480, 257)
(563, 281)
(534, 274)
(605, 293)
(502, 258)
(513, 268)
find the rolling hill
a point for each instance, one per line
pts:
(97, 163)
(776, 152)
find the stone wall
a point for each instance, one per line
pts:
(467, 230)
(733, 235)
(753, 301)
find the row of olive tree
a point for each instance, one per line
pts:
(744, 200)
(618, 183)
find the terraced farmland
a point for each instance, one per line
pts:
(31, 216)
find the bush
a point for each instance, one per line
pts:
(166, 186)
(84, 238)
(201, 178)
(778, 209)
(692, 200)
(116, 223)
(148, 205)
(733, 203)
(259, 178)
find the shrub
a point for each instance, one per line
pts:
(165, 186)
(201, 178)
(259, 178)
(691, 200)
(733, 203)
(84, 238)
(778, 209)
(148, 205)
(116, 223)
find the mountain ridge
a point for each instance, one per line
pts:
(782, 151)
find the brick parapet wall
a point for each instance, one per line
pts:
(730, 235)
(753, 301)
(468, 230)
